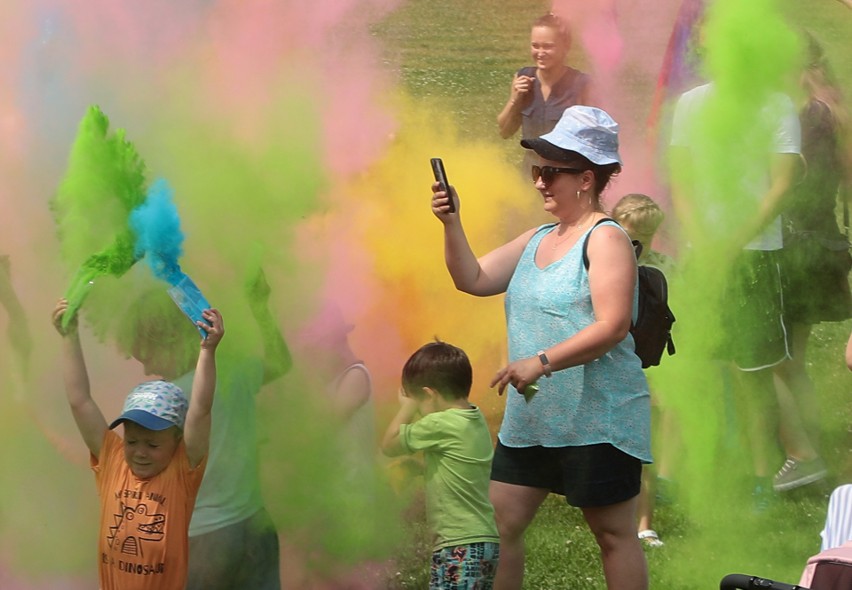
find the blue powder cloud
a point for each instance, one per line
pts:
(159, 238)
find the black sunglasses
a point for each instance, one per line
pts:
(548, 173)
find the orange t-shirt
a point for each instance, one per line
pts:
(143, 541)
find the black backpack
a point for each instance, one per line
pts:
(652, 331)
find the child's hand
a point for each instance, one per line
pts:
(213, 326)
(407, 402)
(58, 312)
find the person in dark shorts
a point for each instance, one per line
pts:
(815, 262)
(734, 212)
(586, 432)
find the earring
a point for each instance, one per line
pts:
(578, 195)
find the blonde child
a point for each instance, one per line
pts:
(641, 217)
(147, 481)
(456, 442)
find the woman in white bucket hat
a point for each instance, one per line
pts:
(586, 433)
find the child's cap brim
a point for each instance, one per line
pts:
(144, 419)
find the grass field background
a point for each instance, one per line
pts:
(461, 55)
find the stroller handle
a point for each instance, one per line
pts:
(745, 582)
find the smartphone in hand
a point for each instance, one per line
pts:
(441, 176)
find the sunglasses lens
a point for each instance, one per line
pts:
(546, 174)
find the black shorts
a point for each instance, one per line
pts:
(754, 331)
(588, 476)
(815, 270)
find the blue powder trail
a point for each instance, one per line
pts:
(159, 239)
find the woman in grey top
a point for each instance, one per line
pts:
(540, 93)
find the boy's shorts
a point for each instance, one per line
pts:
(588, 476)
(465, 567)
(752, 312)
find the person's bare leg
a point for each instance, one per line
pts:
(645, 500)
(797, 402)
(647, 493)
(623, 560)
(514, 509)
(758, 402)
(664, 458)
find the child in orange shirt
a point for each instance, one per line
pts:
(148, 482)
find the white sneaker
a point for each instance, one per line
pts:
(650, 538)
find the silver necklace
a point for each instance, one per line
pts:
(566, 235)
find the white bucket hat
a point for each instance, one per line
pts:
(588, 131)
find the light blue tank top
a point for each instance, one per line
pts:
(603, 401)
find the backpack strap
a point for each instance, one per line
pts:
(586, 241)
(637, 245)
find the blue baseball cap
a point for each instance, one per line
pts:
(155, 405)
(588, 131)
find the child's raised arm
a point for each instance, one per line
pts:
(276, 355)
(90, 421)
(196, 432)
(19, 333)
(408, 407)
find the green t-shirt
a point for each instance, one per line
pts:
(458, 450)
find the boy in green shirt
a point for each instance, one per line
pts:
(457, 445)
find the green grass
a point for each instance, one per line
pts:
(462, 54)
